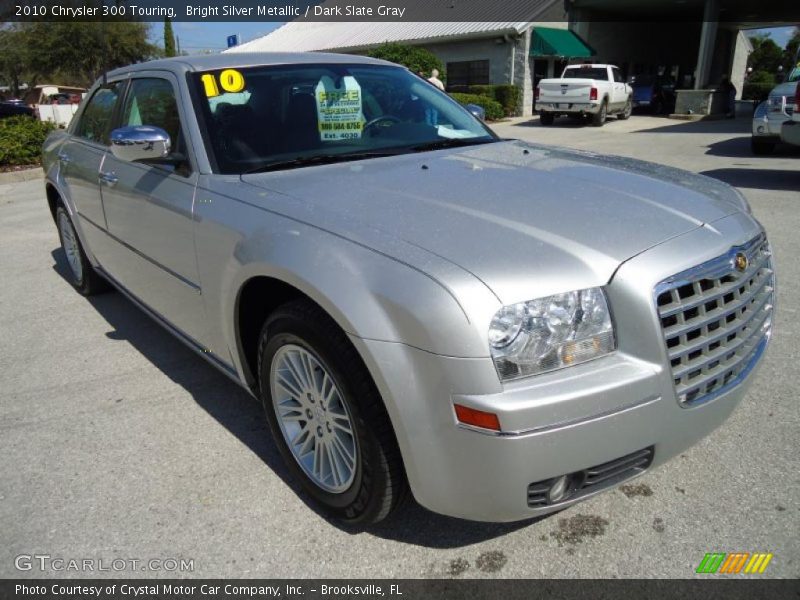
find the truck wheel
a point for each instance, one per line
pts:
(761, 148)
(626, 112)
(82, 275)
(600, 116)
(327, 416)
(546, 118)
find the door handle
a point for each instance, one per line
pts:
(108, 178)
(63, 158)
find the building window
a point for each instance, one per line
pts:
(465, 73)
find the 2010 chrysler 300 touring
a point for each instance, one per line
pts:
(501, 328)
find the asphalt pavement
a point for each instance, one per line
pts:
(119, 443)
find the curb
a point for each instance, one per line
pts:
(23, 175)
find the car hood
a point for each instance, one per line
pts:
(784, 89)
(526, 220)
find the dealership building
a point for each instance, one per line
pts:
(696, 42)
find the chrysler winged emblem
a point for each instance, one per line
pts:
(740, 261)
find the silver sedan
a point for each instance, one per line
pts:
(498, 328)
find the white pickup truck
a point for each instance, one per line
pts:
(596, 90)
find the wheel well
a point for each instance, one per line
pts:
(53, 199)
(258, 298)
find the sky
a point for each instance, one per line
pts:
(779, 35)
(199, 36)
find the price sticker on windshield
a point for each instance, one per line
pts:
(340, 115)
(229, 80)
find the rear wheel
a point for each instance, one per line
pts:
(82, 275)
(546, 118)
(327, 416)
(600, 116)
(761, 147)
(626, 112)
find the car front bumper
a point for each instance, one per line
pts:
(768, 125)
(790, 133)
(557, 423)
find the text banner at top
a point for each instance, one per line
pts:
(511, 12)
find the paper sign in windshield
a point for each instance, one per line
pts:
(339, 112)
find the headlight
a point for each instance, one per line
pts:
(551, 333)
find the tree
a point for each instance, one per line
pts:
(14, 57)
(767, 56)
(80, 52)
(418, 60)
(169, 39)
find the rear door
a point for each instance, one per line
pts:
(81, 159)
(149, 208)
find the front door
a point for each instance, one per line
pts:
(618, 94)
(149, 209)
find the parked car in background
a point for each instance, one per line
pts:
(43, 94)
(653, 92)
(790, 130)
(592, 90)
(771, 114)
(502, 328)
(13, 109)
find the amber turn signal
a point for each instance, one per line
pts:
(477, 418)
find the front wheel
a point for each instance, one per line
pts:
(82, 275)
(600, 116)
(546, 118)
(327, 416)
(626, 112)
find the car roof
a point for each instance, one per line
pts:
(229, 60)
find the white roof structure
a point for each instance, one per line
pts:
(308, 36)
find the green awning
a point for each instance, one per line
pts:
(558, 42)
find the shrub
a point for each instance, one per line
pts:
(416, 59)
(21, 140)
(494, 110)
(756, 91)
(507, 95)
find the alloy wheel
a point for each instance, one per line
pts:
(69, 241)
(313, 418)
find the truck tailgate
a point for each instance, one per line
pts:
(565, 90)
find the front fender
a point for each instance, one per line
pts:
(410, 297)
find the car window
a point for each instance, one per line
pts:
(95, 123)
(265, 117)
(617, 76)
(596, 73)
(151, 101)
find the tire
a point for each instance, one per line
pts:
(81, 273)
(299, 339)
(600, 117)
(761, 148)
(546, 118)
(626, 112)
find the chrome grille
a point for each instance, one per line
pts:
(716, 320)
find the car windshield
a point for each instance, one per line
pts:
(276, 117)
(600, 74)
(794, 75)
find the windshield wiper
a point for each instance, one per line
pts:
(452, 143)
(318, 159)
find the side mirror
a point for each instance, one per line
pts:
(476, 111)
(141, 142)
